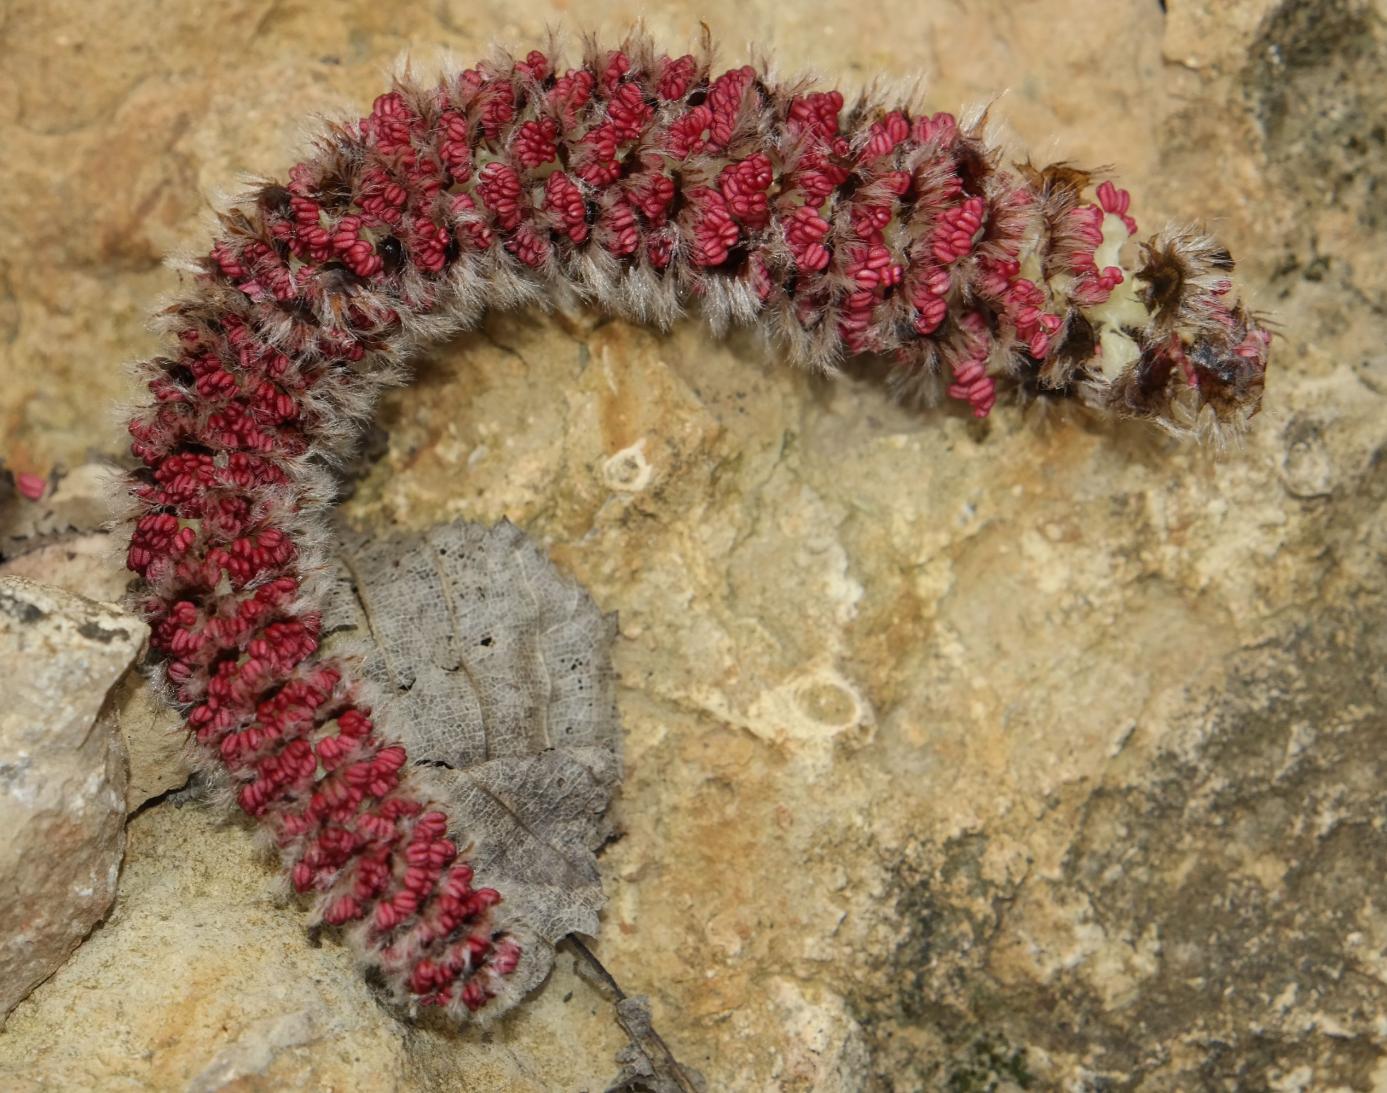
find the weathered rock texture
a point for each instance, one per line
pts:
(62, 774)
(202, 979)
(56, 542)
(1036, 752)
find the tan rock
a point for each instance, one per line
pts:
(62, 774)
(1109, 809)
(156, 744)
(202, 979)
(824, 1049)
(92, 564)
(88, 564)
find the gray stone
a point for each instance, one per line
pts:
(62, 774)
(91, 563)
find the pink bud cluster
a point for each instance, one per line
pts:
(30, 486)
(647, 183)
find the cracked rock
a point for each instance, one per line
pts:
(62, 774)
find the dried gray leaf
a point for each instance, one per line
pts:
(498, 672)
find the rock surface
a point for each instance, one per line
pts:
(202, 979)
(155, 743)
(62, 774)
(1036, 752)
(56, 542)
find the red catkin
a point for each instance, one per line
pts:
(646, 183)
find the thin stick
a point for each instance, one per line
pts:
(642, 1039)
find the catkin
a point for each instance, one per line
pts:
(648, 185)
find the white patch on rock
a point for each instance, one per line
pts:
(810, 712)
(824, 1048)
(628, 471)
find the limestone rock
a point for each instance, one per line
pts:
(156, 742)
(202, 979)
(87, 564)
(91, 564)
(62, 774)
(1045, 753)
(823, 1047)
